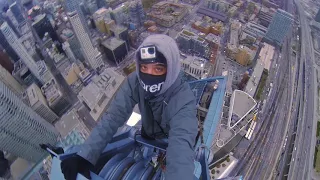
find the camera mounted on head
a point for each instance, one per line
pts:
(150, 54)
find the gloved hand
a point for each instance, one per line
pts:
(57, 150)
(73, 165)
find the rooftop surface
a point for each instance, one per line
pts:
(33, 95)
(67, 123)
(51, 91)
(38, 18)
(266, 55)
(213, 38)
(241, 104)
(254, 80)
(112, 43)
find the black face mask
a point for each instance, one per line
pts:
(151, 84)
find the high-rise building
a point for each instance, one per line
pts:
(91, 54)
(317, 17)
(7, 47)
(101, 3)
(196, 67)
(27, 4)
(10, 81)
(42, 26)
(68, 51)
(4, 17)
(74, 5)
(92, 6)
(71, 76)
(16, 44)
(22, 129)
(74, 43)
(38, 103)
(17, 13)
(121, 32)
(280, 26)
(99, 19)
(217, 5)
(56, 99)
(44, 71)
(5, 62)
(115, 49)
(22, 74)
(137, 15)
(121, 14)
(190, 41)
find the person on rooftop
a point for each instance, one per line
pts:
(167, 106)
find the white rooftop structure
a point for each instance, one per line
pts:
(195, 66)
(241, 104)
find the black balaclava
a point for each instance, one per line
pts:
(152, 84)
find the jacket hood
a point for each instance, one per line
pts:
(168, 47)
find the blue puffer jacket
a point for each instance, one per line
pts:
(173, 112)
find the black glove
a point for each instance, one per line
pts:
(58, 150)
(76, 164)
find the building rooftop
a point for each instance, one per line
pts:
(98, 93)
(240, 105)
(67, 32)
(254, 80)
(101, 11)
(51, 91)
(42, 67)
(112, 43)
(33, 96)
(266, 55)
(67, 123)
(213, 14)
(213, 38)
(38, 18)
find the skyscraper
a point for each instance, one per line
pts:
(71, 38)
(91, 54)
(120, 14)
(21, 129)
(38, 103)
(4, 17)
(74, 5)
(115, 49)
(10, 81)
(43, 25)
(16, 44)
(7, 47)
(16, 11)
(5, 61)
(280, 25)
(317, 18)
(137, 15)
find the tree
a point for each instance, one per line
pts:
(251, 7)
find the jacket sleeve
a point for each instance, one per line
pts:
(180, 151)
(117, 114)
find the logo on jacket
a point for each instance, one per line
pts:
(152, 88)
